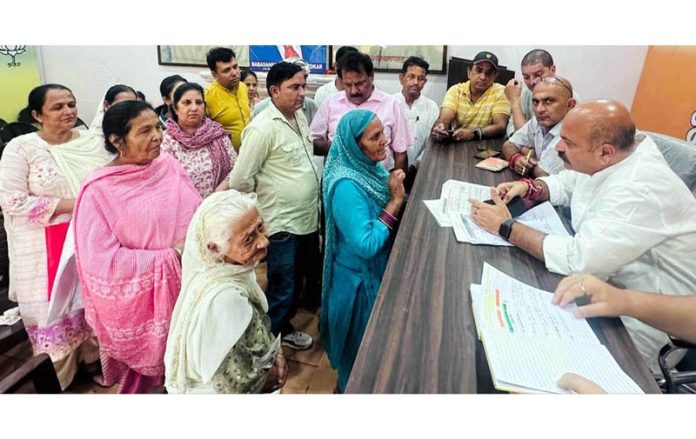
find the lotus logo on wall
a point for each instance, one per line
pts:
(12, 51)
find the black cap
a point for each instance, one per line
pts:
(487, 56)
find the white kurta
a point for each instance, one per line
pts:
(635, 225)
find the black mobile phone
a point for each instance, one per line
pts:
(516, 206)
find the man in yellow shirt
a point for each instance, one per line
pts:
(226, 99)
(475, 109)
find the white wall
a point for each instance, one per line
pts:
(595, 71)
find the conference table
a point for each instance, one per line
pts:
(421, 336)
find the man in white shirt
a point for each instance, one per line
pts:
(421, 111)
(537, 139)
(536, 65)
(634, 217)
(332, 87)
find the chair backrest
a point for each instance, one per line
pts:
(39, 371)
(458, 68)
(15, 129)
(680, 156)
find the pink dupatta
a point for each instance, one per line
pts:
(127, 219)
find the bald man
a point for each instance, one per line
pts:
(634, 218)
(537, 139)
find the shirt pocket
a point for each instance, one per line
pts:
(293, 152)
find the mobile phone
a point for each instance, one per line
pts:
(450, 133)
(516, 206)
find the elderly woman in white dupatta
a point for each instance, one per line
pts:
(40, 176)
(220, 338)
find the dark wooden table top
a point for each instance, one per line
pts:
(421, 337)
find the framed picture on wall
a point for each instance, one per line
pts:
(391, 58)
(194, 56)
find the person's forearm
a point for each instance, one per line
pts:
(509, 149)
(528, 239)
(65, 205)
(494, 130)
(518, 118)
(321, 146)
(671, 314)
(394, 206)
(401, 161)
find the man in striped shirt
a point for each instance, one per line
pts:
(475, 109)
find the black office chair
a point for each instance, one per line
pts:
(15, 129)
(80, 123)
(682, 377)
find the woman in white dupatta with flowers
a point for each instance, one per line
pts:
(220, 339)
(40, 177)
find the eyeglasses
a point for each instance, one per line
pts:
(555, 80)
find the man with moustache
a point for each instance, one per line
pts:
(357, 75)
(421, 111)
(633, 216)
(475, 109)
(536, 65)
(537, 139)
(275, 162)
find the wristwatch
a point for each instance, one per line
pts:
(506, 228)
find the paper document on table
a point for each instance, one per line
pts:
(456, 194)
(511, 306)
(530, 343)
(436, 207)
(529, 364)
(542, 218)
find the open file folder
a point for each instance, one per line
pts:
(530, 343)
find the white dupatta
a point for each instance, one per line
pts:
(214, 307)
(75, 159)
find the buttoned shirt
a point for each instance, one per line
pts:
(635, 225)
(325, 92)
(275, 162)
(389, 110)
(533, 135)
(422, 115)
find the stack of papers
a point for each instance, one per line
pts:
(530, 343)
(453, 208)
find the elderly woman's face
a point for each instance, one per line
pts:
(248, 243)
(142, 143)
(373, 142)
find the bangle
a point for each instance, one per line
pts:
(388, 219)
(479, 130)
(534, 192)
(513, 159)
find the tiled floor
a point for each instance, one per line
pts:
(309, 370)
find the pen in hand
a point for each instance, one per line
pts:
(524, 168)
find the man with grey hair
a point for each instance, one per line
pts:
(633, 216)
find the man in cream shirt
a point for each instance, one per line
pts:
(275, 161)
(634, 218)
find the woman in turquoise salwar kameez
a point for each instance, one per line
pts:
(362, 202)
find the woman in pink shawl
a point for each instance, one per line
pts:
(201, 145)
(130, 223)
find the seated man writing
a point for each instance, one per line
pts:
(474, 109)
(633, 216)
(531, 149)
